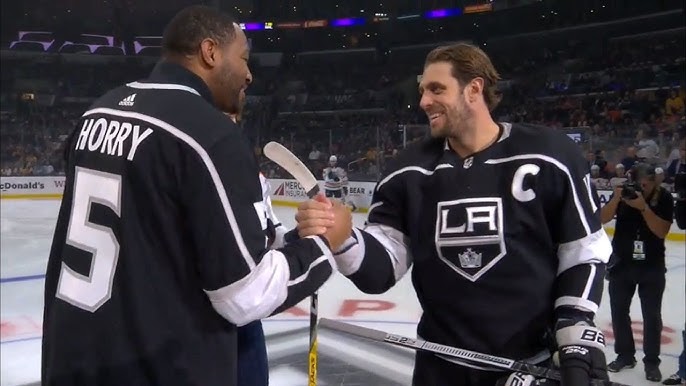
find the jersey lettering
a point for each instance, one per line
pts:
(518, 191)
(469, 235)
(90, 292)
(107, 137)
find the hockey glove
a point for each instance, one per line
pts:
(521, 379)
(580, 354)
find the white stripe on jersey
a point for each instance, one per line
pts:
(393, 241)
(221, 192)
(559, 165)
(162, 86)
(413, 168)
(256, 295)
(592, 249)
(589, 282)
(573, 301)
(396, 244)
(326, 256)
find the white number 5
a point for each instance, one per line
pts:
(92, 291)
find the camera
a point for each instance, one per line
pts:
(629, 190)
(632, 185)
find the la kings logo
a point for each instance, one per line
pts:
(469, 235)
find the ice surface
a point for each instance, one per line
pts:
(25, 237)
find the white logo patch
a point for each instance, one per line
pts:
(469, 235)
(468, 163)
(128, 101)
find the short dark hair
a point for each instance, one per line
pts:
(188, 28)
(642, 170)
(469, 62)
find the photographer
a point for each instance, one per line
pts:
(644, 215)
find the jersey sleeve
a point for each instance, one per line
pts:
(583, 246)
(378, 255)
(227, 217)
(278, 229)
(343, 176)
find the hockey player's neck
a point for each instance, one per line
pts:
(475, 137)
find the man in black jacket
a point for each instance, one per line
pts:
(160, 251)
(644, 215)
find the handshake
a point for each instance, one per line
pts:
(328, 218)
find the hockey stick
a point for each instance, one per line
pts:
(451, 352)
(287, 160)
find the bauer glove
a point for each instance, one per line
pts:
(580, 355)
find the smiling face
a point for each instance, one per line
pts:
(442, 100)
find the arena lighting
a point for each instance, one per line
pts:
(478, 8)
(315, 23)
(439, 13)
(289, 25)
(252, 26)
(347, 22)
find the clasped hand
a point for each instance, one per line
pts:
(321, 216)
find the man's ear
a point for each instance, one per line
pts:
(209, 52)
(474, 89)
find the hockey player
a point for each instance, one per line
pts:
(159, 251)
(501, 229)
(336, 182)
(335, 179)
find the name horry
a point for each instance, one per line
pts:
(108, 137)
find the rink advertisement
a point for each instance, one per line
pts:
(283, 193)
(32, 187)
(290, 193)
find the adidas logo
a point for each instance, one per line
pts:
(128, 101)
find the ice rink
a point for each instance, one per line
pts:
(26, 233)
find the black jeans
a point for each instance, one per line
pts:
(623, 280)
(253, 364)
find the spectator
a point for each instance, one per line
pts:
(678, 165)
(620, 176)
(674, 105)
(647, 148)
(597, 179)
(630, 158)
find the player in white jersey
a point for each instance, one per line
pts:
(336, 182)
(335, 179)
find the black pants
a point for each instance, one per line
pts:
(651, 285)
(253, 365)
(430, 370)
(333, 193)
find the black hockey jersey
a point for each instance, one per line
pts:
(159, 249)
(497, 241)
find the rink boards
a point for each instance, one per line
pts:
(283, 192)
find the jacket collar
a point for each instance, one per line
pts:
(166, 72)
